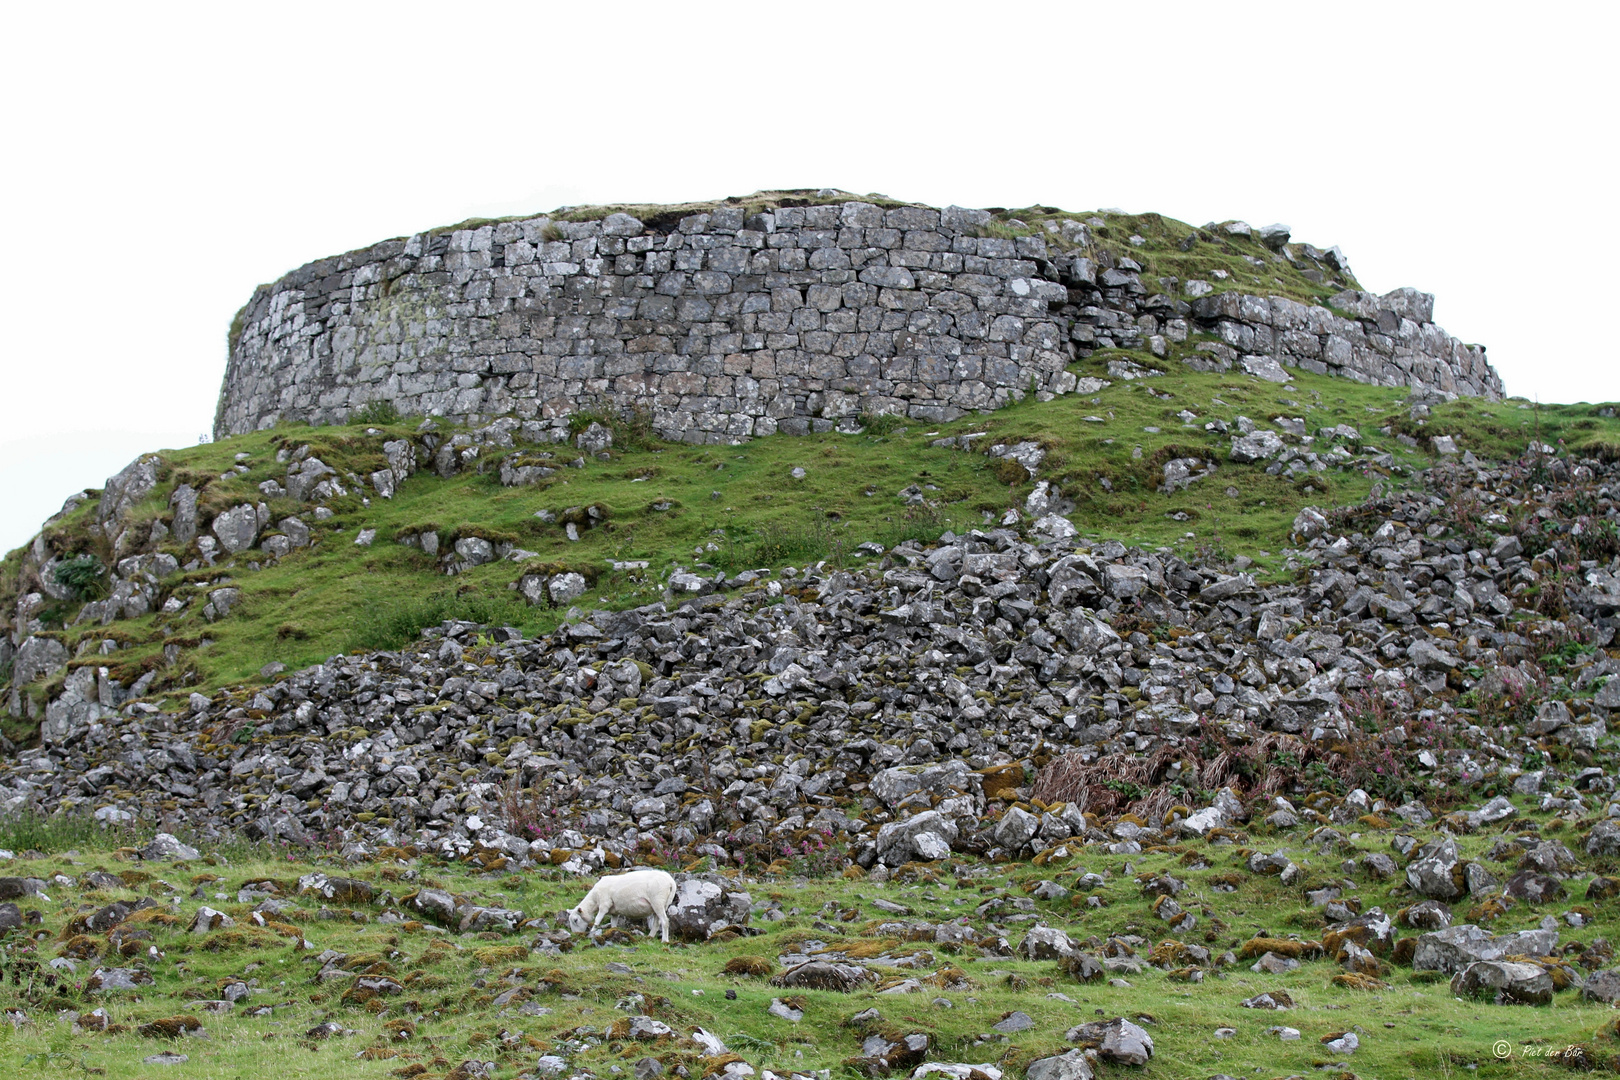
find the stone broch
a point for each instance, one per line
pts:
(724, 325)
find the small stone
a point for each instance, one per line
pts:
(787, 1012)
(1272, 964)
(1342, 1043)
(1272, 999)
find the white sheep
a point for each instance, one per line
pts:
(636, 894)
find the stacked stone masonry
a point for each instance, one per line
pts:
(728, 325)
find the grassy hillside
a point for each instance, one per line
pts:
(575, 1004)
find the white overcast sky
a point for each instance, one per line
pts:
(162, 159)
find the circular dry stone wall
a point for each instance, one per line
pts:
(726, 324)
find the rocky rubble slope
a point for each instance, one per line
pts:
(1136, 768)
(144, 578)
(1426, 643)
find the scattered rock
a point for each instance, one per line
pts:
(1070, 1065)
(1014, 1022)
(165, 847)
(819, 975)
(1117, 1041)
(1271, 999)
(1047, 943)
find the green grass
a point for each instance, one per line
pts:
(1415, 1028)
(730, 508)
(58, 833)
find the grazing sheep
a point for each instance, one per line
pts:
(637, 894)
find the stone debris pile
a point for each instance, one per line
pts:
(904, 708)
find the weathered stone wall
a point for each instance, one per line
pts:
(1390, 340)
(724, 326)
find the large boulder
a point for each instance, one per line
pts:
(169, 848)
(1430, 657)
(1257, 446)
(208, 919)
(1227, 587)
(1124, 581)
(1437, 871)
(1602, 986)
(476, 920)
(1454, 948)
(821, 975)
(1533, 887)
(435, 906)
(1426, 915)
(1047, 943)
(75, 709)
(701, 907)
(475, 551)
(922, 837)
(566, 588)
(303, 477)
(1117, 1041)
(1549, 857)
(1603, 840)
(1373, 931)
(236, 528)
(1071, 1065)
(1507, 982)
(16, 888)
(1202, 821)
(37, 656)
(943, 778)
(127, 487)
(1016, 828)
(183, 504)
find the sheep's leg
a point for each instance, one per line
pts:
(663, 925)
(600, 915)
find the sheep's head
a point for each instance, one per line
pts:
(577, 923)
